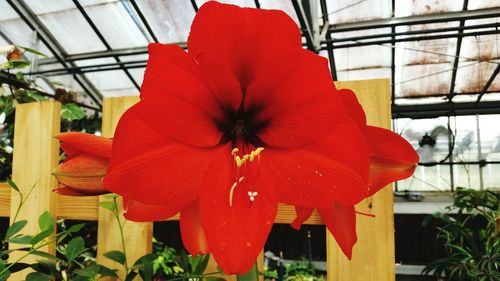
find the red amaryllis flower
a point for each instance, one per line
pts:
(244, 120)
(87, 160)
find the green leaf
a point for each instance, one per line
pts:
(45, 255)
(131, 276)
(37, 276)
(89, 272)
(15, 64)
(46, 221)
(15, 228)
(21, 239)
(18, 267)
(4, 276)
(12, 185)
(41, 236)
(108, 205)
(71, 112)
(33, 51)
(116, 256)
(76, 228)
(214, 279)
(106, 271)
(251, 275)
(75, 248)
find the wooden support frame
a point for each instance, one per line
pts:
(373, 256)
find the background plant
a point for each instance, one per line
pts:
(470, 237)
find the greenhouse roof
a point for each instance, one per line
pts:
(442, 55)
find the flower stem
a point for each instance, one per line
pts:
(251, 275)
(120, 225)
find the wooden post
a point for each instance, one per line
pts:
(138, 236)
(36, 155)
(373, 255)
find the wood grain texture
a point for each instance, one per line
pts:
(138, 236)
(36, 155)
(86, 208)
(4, 200)
(373, 255)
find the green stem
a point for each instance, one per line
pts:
(251, 275)
(27, 254)
(120, 225)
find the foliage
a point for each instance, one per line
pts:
(73, 117)
(472, 253)
(70, 263)
(302, 270)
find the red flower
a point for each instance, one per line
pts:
(87, 160)
(244, 120)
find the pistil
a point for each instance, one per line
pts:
(239, 161)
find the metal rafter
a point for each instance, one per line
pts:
(393, 56)
(195, 6)
(417, 38)
(413, 20)
(488, 83)
(257, 4)
(104, 42)
(451, 93)
(331, 58)
(425, 111)
(307, 31)
(144, 20)
(55, 48)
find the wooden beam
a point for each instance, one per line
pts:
(35, 157)
(373, 255)
(138, 236)
(86, 208)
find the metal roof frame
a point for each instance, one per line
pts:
(328, 43)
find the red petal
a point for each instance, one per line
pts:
(295, 99)
(83, 173)
(392, 158)
(236, 234)
(148, 167)
(193, 235)
(332, 169)
(354, 108)
(240, 38)
(303, 214)
(74, 143)
(137, 211)
(341, 222)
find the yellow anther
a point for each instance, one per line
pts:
(255, 153)
(234, 151)
(238, 161)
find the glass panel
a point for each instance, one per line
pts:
(20, 34)
(423, 80)
(107, 81)
(121, 32)
(69, 82)
(464, 129)
(138, 74)
(45, 7)
(406, 8)
(169, 20)
(434, 178)
(7, 12)
(354, 10)
(490, 176)
(466, 176)
(490, 137)
(481, 4)
(284, 5)
(472, 76)
(72, 31)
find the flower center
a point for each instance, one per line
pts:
(242, 126)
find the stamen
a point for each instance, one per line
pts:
(241, 160)
(241, 179)
(231, 193)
